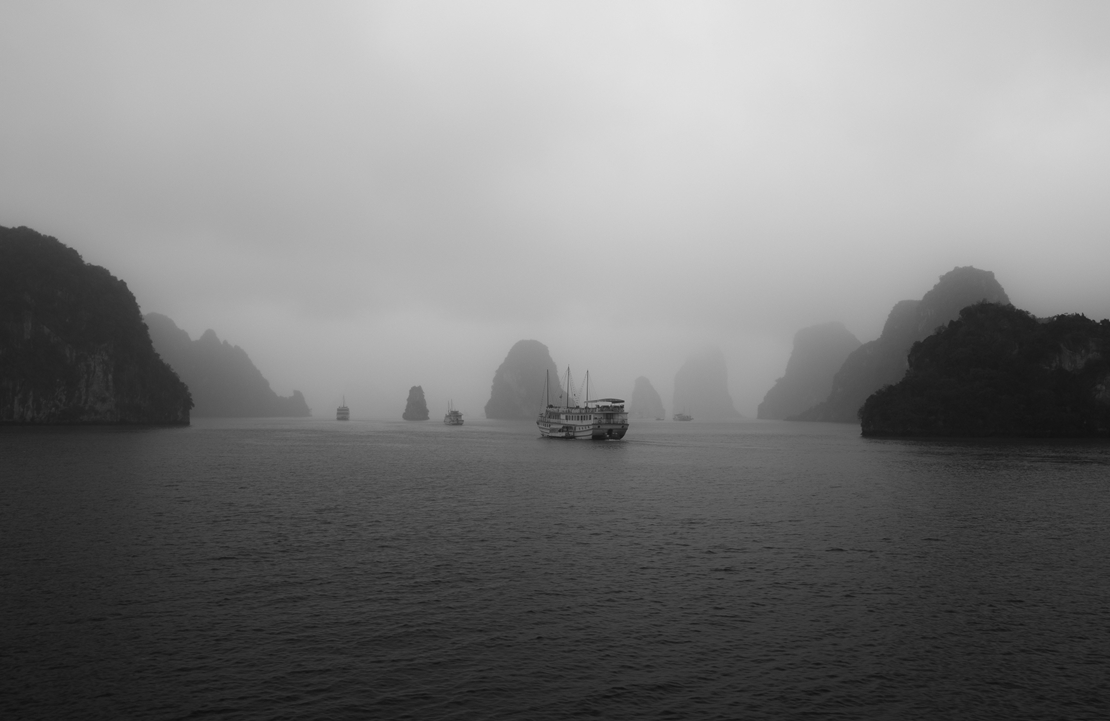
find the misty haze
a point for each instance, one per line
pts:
(534, 360)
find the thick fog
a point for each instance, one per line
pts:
(367, 197)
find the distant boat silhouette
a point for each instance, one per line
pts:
(682, 417)
(453, 417)
(343, 413)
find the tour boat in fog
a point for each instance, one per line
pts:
(600, 419)
(343, 413)
(453, 417)
(682, 417)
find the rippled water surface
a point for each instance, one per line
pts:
(315, 569)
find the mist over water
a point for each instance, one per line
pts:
(255, 569)
(371, 197)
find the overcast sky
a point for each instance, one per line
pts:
(370, 196)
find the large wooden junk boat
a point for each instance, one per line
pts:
(600, 419)
(453, 417)
(343, 413)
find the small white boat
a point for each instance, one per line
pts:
(453, 417)
(343, 413)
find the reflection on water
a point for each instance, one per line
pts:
(255, 569)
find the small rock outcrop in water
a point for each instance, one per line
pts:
(883, 361)
(701, 388)
(645, 403)
(818, 353)
(73, 347)
(223, 380)
(416, 408)
(998, 371)
(517, 390)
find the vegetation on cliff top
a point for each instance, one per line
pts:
(998, 371)
(518, 384)
(883, 361)
(73, 346)
(416, 408)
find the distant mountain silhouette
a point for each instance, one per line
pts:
(883, 361)
(819, 352)
(645, 403)
(416, 408)
(998, 371)
(701, 388)
(73, 347)
(223, 380)
(517, 390)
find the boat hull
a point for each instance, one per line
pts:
(606, 428)
(610, 432)
(565, 430)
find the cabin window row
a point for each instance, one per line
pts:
(571, 417)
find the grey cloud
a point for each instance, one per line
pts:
(365, 182)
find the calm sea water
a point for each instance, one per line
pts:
(314, 569)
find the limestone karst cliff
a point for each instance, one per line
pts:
(998, 371)
(701, 388)
(517, 392)
(819, 352)
(645, 403)
(73, 346)
(883, 361)
(416, 408)
(222, 378)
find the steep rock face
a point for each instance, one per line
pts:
(645, 403)
(73, 347)
(518, 385)
(701, 388)
(416, 408)
(883, 361)
(819, 352)
(223, 380)
(998, 371)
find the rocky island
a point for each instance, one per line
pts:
(73, 345)
(819, 352)
(701, 388)
(517, 390)
(883, 361)
(645, 403)
(998, 371)
(224, 381)
(416, 408)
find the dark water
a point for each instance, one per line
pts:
(313, 569)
